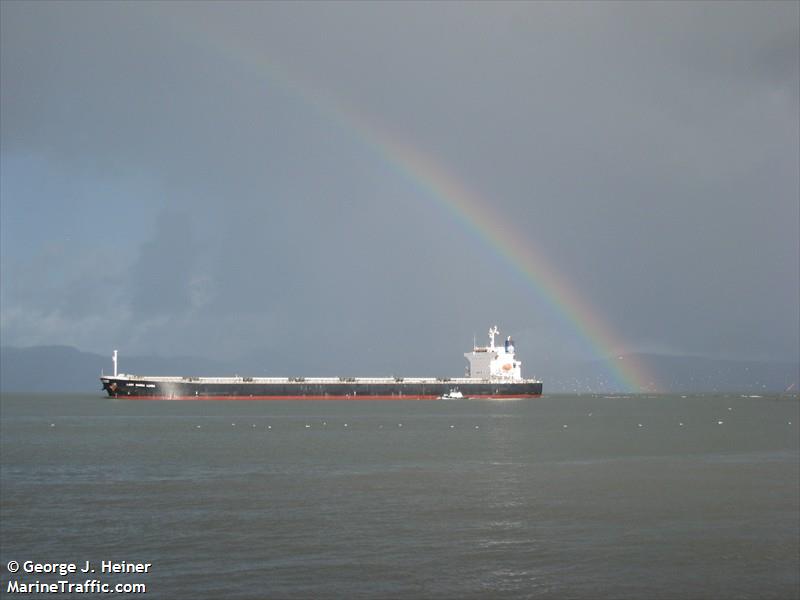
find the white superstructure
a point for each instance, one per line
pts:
(493, 362)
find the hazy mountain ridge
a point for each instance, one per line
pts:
(67, 369)
(679, 374)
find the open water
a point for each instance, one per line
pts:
(560, 497)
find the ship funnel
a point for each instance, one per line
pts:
(114, 360)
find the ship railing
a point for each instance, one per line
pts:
(325, 380)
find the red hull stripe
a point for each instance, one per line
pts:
(126, 397)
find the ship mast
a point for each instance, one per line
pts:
(493, 332)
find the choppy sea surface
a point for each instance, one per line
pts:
(559, 497)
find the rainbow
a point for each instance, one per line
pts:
(466, 208)
(473, 214)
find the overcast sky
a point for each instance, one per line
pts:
(196, 179)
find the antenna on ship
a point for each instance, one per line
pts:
(114, 360)
(493, 332)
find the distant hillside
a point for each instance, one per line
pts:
(679, 374)
(687, 374)
(66, 369)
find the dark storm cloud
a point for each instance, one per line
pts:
(161, 280)
(650, 150)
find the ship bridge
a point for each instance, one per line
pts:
(496, 363)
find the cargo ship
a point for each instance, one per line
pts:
(493, 371)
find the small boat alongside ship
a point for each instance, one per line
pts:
(493, 372)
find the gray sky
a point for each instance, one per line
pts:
(190, 178)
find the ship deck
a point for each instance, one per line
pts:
(313, 380)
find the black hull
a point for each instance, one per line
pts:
(155, 389)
